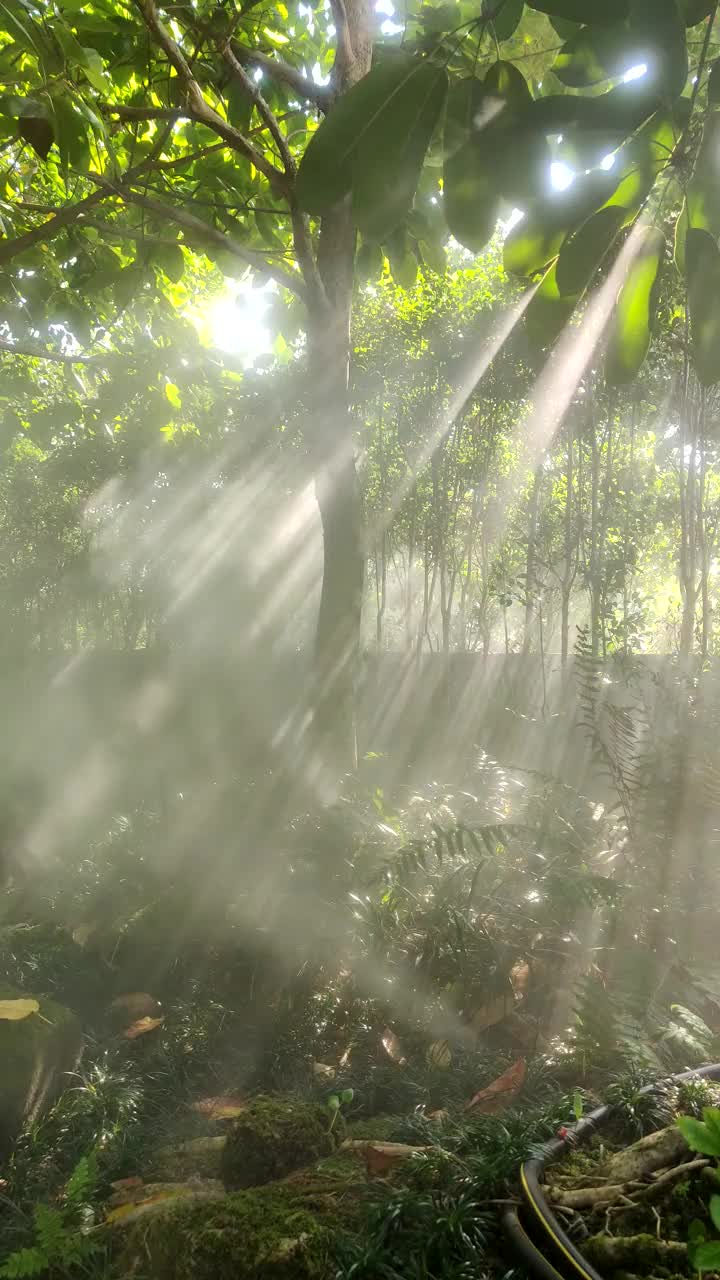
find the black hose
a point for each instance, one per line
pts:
(532, 1171)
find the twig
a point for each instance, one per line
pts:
(200, 109)
(282, 71)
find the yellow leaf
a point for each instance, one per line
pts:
(225, 1107)
(282, 10)
(16, 1010)
(173, 395)
(439, 1054)
(276, 36)
(141, 1027)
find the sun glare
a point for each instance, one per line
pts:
(237, 321)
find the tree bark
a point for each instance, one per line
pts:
(337, 641)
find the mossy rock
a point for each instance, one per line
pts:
(35, 1053)
(272, 1138)
(264, 1234)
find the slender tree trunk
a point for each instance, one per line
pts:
(569, 568)
(337, 641)
(530, 559)
(594, 576)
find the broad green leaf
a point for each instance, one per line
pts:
(369, 261)
(391, 154)
(434, 256)
(471, 195)
(439, 18)
(695, 11)
(370, 123)
(657, 35)
(701, 208)
(38, 132)
(702, 271)
(630, 325)
(714, 1208)
(696, 1232)
(697, 1135)
(604, 12)
(535, 241)
(506, 81)
(96, 73)
(548, 311)
(169, 258)
(592, 55)
(505, 16)
(70, 134)
(706, 1257)
(403, 262)
(641, 161)
(713, 85)
(239, 106)
(583, 252)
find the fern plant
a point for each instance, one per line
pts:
(60, 1245)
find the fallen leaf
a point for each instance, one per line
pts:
(381, 1156)
(141, 1027)
(519, 977)
(158, 1193)
(439, 1054)
(134, 1005)
(225, 1107)
(494, 1011)
(16, 1010)
(438, 1117)
(82, 934)
(393, 1047)
(322, 1071)
(499, 1094)
(121, 1184)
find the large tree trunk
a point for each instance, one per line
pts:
(332, 442)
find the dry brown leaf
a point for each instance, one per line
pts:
(135, 1005)
(225, 1107)
(322, 1071)
(16, 1010)
(382, 1156)
(393, 1047)
(82, 934)
(154, 1193)
(519, 977)
(498, 1095)
(488, 1015)
(141, 1027)
(440, 1055)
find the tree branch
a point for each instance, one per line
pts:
(196, 227)
(199, 108)
(252, 90)
(319, 94)
(56, 357)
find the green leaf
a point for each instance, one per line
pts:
(403, 262)
(70, 134)
(369, 261)
(504, 15)
(630, 326)
(505, 80)
(434, 256)
(643, 159)
(347, 1096)
(471, 196)
(713, 85)
(38, 132)
(548, 311)
(169, 259)
(696, 1232)
(592, 55)
(535, 241)
(604, 13)
(706, 1257)
(333, 1102)
(714, 1208)
(373, 142)
(695, 11)
(583, 251)
(702, 202)
(391, 154)
(657, 34)
(239, 106)
(173, 395)
(697, 1135)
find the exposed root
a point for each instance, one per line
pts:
(655, 1151)
(628, 1251)
(590, 1197)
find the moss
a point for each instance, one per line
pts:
(270, 1233)
(271, 1139)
